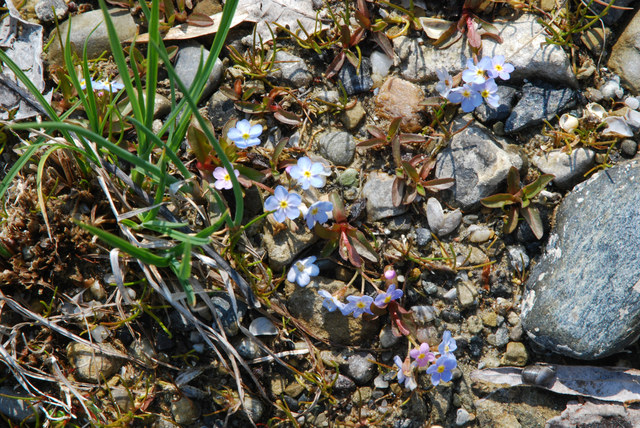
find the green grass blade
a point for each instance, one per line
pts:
(21, 162)
(141, 254)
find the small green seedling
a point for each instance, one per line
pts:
(519, 200)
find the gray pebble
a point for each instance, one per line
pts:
(462, 417)
(361, 367)
(46, 10)
(387, 338)
(423, 236)
(629, 148)
(337, 147)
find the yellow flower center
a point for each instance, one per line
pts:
(360, 304)
(485, 93)
(466, 93)
(498, 67)
(480, 72)
(446, 348)
(246, 136)
(307, 174)
(284, 204)
(421, 356)
(314, 211)
(300, 266)
(440, 369)
(227, 177)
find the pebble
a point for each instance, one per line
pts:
(292, 70)
(122, 398)
(85, 23)
(474, 324)
(222, 304)
(220, 109)
(401, 98)
(518, 257)
(568, 168)
(380, 383)
(348, 177)
(467, 294)
(479, 163)
(488, 115)
(380, 65)
(423, 236)
(48, 10)
(361, 367)
(343, 384)
(353, 116)
(377, 191)
(186, 66)
(462, 417)
(500, 338)
(479, 234)
(577, 300)
(625, 56)
(489, 318)
(355, 82)
(338, 147)
(629, 148)
(424, 314)
(253, 407)
(515, 355)
(185, 411)
(90, 364)
(387, 338)
(451, 294)
(248, 349)
(539, 101)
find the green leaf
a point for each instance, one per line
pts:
(512, 220)
(532, 217)
(513, 180)
(411, 171)
(499, 200)
(537, 186)
(141, 254)
(167, 228)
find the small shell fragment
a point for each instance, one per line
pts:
(568, 122)
(262, 326)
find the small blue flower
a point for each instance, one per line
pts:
(286, 204)
(318, 213)
(445, 82)
(108, 85)
(308, 173)
(405, 373)
(302, 271)
(448, 344)
(489, 92)
(384, 299)
(330, 302)
(357, 306)
(476, 73)
(441, 370)
(469, 97)
(499, 68)
(244, 135)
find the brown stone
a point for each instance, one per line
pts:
(400, 98)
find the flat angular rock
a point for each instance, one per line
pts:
(625, 56)
(377, 191)
(284, 246)
(539, 101)
(569, 169)
(306, 306)
(356, 81)
(479, 163)
(523, 45)
(486, 114)
(582, 299)
(292, 70)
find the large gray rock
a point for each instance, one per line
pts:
(523, 45)
(479, 163)
(14, 408)
(539, 101)
(338, 147)
(582, 299)
(83, 24)
(569, 169)
(306, 306)
(625, 55)
(377, 192)
(186, 67)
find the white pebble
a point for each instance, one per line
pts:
(380, 63)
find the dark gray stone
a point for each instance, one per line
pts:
(423, 236)
(220, 109)
(14, 409)
(539, 101)
(356, 82)
(186, 67)
(629, 148)
(222, 304)
(487, 114)
(343, 384)
(582, 298)
(361, 367)
(479, 163)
